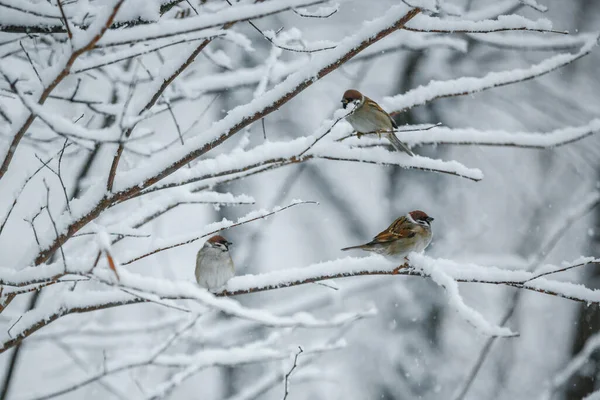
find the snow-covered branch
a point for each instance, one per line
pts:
(70, 303)
(468, 85)
(85, 42)
(531, 140)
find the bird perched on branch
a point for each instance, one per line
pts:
(214, 266)
(411, 232)
(369, 117)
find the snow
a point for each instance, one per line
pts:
(533, 41)
(524, 230)
(454, 298)
(239, 114)
(503, 22)
(92, 62)
(82, 39)
(174, 27)
(465, 85)
(444, 135)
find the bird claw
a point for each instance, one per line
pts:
(396, 270)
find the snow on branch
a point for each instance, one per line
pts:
(468, 85)
(518, 41)
(97, 61)
(240, 117)
(201, 359)
(153, 289)
(174, 27)
(162, 289)
(82, 42)
(455, 300)
(279, 154)
(375, 265)
(424, 23)
(147, 174)
(469, 136)
(241, 77)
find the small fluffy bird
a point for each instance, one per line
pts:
(214, 266)
(411, 232)
(368, 117)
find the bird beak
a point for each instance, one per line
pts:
(344, 103)
(429, 219)
(229, 244)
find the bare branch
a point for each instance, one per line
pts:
(287, 376)
(64, 17)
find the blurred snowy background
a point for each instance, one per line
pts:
(416, 346)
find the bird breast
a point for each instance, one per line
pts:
(365, 121)
(401, 248)
(213, 268)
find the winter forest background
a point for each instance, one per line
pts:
(138, 128)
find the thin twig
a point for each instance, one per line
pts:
(62, 183)
(216, 231)
(394, 130)
(312, 15)
(18, 194)
(62, 253)
(325, 133)
(64, 17)
(59, 77)
(31, 63)
(484, 30)
(287, 376)
(175, 121)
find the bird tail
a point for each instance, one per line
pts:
(398, 145)
(361, 246)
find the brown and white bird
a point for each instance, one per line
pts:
(411, 232)
(214, 266)
(369, 117)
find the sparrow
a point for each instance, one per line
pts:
(369, 117)
(411, 232)
(214, 266)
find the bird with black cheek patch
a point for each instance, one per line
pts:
(214, 266)
(369, 117)
(411, 232)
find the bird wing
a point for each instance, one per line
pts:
(399, 229)
(378, 107)
(394, 125)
